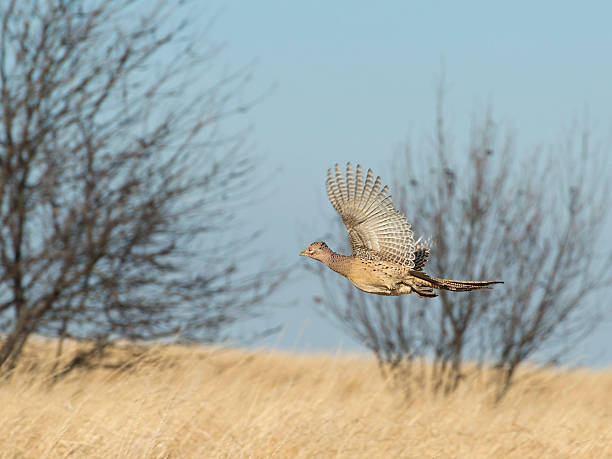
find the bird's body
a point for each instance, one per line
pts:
(385, 260)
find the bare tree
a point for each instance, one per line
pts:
(534, 223)
(119, 182)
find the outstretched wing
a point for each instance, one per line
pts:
(376, 229)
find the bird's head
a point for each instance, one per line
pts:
(317, 250)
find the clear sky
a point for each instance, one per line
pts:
(352, 79)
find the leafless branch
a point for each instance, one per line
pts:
(118, 179)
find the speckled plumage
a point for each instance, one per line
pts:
(376, 229)
(385, 260)
(421, 253)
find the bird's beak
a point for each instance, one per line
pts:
(303, 253)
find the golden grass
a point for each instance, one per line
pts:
(204, 402)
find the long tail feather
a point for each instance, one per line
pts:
(454, 285)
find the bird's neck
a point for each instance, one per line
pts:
(337, 262)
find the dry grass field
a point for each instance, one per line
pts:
(205, 402)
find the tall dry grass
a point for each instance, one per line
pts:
(205, 402)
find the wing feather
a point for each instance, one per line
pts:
(341, 186)
(333, 192)
(421, 253)
(359, 192)
(350, 183)
(376, 229)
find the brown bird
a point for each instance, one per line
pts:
(386, 260)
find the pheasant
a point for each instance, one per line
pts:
(386, 260)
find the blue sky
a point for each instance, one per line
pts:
(350, 81)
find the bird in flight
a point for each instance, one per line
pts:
(386, 260)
